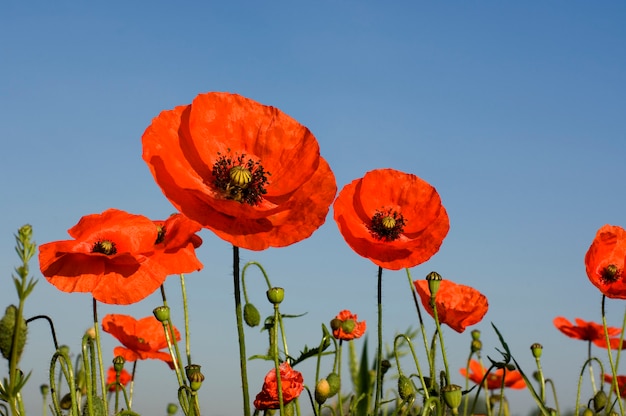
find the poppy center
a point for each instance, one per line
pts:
(387, 225)
(160, 234)
(105, 247)
(610, 274)
(240, 179)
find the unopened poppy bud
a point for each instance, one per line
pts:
(276, 295)
(334, 381)
(66, 402)
(348, 326)
(91, 333)
(194, 376)
(172, 409)
(452, 395)
(118, 363)
(7, 329)
(335, 324)
(44, 389)
(475, 334)
(434, 280)
(405, 388)
(588, 412)
(537, 376)
(599, 401)
(322, 391)
(162, 313)
(536, 349)
(510, 367)
(251, 315)
(477, 345)
(385, 365)
(64, 349)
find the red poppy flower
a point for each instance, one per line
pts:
(605, 261)
(291, 383)
(175, 245)
(616, 343)
(346, 327)
(393, 218)
(120, 258)
(583, 330)
(249, 172)
(458, 306)
(621, 383)
(512, 378)
(142, 339)
(125, 378)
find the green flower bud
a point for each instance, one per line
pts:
(476, 335)
(348, 326)
(588, 412)
(335, 324)
(477, 345)
(334, 381)
(251, 315)
(405, 388)
(45, 389)
(118, 363)
(322, 391)
(7, 329)
(275, 295)
(161, 313)
(98, 408)
(172, 409)
(599, 401)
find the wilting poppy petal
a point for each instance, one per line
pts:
(247, 171)
(512, 378)
(458, 306)
(605, 261)
(584, 330)
(393, 218)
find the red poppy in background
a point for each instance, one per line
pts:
(107, 257)
(125, 378)
(583, 330)
(621, 383)
(248, 172)
(616, 343)
(346, 327)
(605, 261)
(512, 378)
(395, 219)
(291, 383)
(175, 245)
(458, 306)
(142, 339)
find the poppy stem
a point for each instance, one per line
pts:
(186, 318)
(419, 316)
(379, 349)
(240, 333)
(615, 384)
(96, 328)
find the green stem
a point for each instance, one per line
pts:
(419, 316)
(379, 350)
(240, 333)
(186, 317)
(338, 357)
(96, 327)
(443, 349)
(279, 386)
(615, 384)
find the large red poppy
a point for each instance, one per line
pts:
(346, 327)
(584, 330)
(458, 306)
(512, 378)
(120, 258)
(393, 218)
(605, 261)
(141, 339)
(249, 172)
(291, 386)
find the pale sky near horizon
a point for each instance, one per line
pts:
(514, 111)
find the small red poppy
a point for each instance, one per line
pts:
(248, 172)
(393, 218)
(142, 339)
(458, 306)
(291, 383)
(512, 378)
(346, 327)
(605, 261)
(125, 378)
(584, 330)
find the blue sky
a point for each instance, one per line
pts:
(514, 111)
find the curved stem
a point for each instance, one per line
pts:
(47, 318)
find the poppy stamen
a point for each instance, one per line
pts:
(105, 247)
(610, 274)
(160, 234)
(239, 179)
(387, 225)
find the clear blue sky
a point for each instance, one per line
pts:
(514, 111)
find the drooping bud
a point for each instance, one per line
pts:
(322, 391)
(385, 365)
(405, 388)
(599, 401)
(275, 295)
(334, 382)
(8, 328)
(251, 315)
